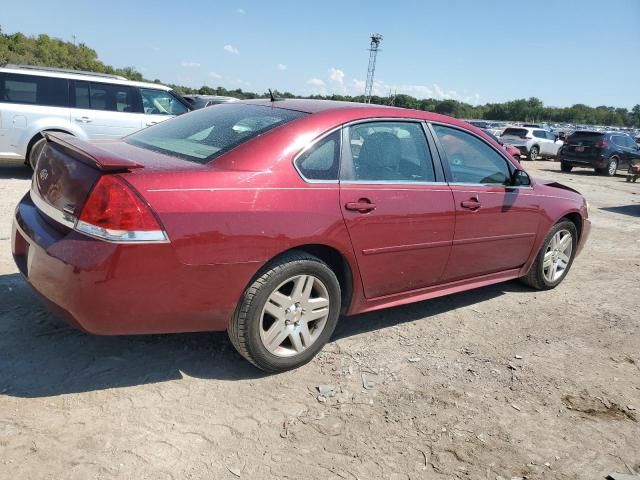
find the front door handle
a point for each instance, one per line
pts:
(471, 204)
(83, 120)
(151, 123)
(363, 205)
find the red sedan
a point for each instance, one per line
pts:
(270, 219)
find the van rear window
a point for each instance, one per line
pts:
(34, 90)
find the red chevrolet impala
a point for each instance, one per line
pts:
(269, 219)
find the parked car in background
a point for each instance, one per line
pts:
(534, 143)
(263, 219)
(511, 150)
(201, 101)
(605, 152)
(544, 126)
(35, 100)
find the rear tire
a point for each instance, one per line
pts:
(565, 167)
(554, 258)
(35, 151)
(612, 167)
(534, 153)
(275, 325)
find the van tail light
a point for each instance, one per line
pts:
(114, 212)
(601, 144)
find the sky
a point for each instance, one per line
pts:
(567, 52)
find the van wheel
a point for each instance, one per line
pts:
(35, 151)
(287, 314)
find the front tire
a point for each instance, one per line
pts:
(612, 167)
(554, 258)
(287, 314)
(534, 153)
(565, 167)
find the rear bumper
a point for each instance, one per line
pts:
(112, 289)
(589, 162)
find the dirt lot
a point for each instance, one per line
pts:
(497, 383)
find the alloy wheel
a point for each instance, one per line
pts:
(557, 256)
(294, 315)
(613, 166)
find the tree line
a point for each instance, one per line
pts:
(43, 50)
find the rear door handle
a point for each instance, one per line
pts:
(83, 120)
(151, 123)
(471, 204)
(363, 205)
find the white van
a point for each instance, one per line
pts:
(88, 105)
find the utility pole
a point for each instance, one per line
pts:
(376, 39)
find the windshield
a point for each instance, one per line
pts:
(203, 135)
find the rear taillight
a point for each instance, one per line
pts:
(601, 144)
(116, 213)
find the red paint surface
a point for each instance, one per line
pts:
(227, 219)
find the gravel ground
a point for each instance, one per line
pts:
(498, 383)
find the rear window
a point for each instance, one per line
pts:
(34, 90)
(205, 134)
(581, 136)
(516, 132)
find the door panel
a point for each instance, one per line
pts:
(496, 224)
(399, 213)
(404, 242)
(499, 235)
(106, 125)
(105, 111)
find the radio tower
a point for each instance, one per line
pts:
(376, 38)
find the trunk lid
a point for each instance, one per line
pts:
(65, 173)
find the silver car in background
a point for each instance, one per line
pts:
(91, 106)
(535, 143)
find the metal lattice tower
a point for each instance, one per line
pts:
(376, 38)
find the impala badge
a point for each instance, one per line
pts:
(43, 174)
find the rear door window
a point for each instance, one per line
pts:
(389, 152)
(34, 90)
(540, 134)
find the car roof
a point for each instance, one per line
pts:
(347, 111)
(87, 76)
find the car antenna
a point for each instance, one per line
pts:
(273, 97)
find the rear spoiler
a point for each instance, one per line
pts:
(91, 154)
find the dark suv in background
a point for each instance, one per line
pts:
(605, 152)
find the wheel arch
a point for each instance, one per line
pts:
(335, 259)
(40, 135)
(576, 219)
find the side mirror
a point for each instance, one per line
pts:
(520, 178)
